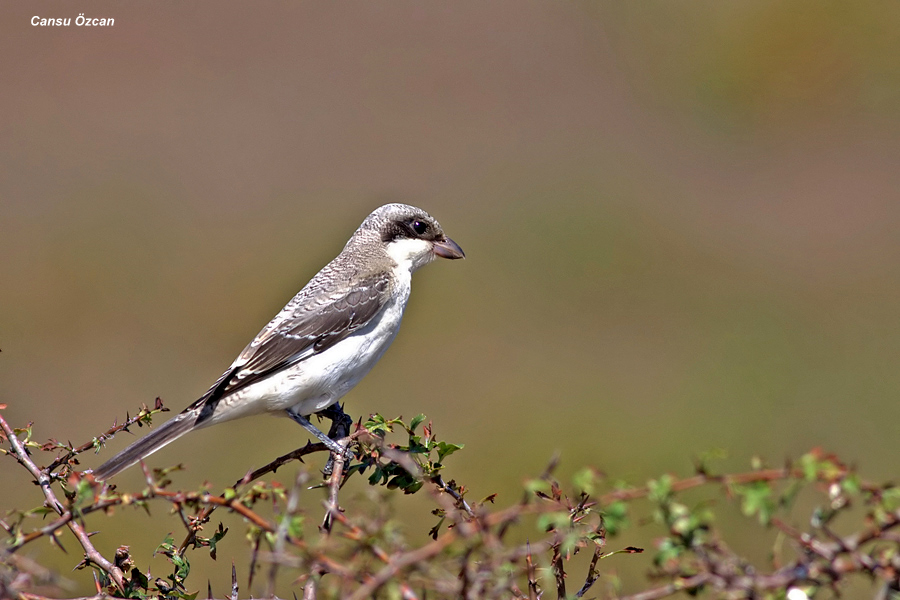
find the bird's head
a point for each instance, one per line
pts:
(411, 236)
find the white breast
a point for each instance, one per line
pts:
(322, 379)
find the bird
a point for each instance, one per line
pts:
(325, 339)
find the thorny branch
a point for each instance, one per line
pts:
(273, 466)
(255, 475)
(42, 478)
(334, 485)
(359, 554)
(142, 416)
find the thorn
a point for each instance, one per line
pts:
(55, 539)
(209, 590)
(234, 583)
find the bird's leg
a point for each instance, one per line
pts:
(330, 443)
(337, 465)
(340, 428)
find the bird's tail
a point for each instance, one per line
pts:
(168, 432)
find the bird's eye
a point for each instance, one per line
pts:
(419, 227)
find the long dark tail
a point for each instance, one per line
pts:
(147, 445)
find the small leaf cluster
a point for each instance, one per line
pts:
(425, 450)
(694, 554)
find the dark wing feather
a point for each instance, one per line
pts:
(312, 322)
(315, 327)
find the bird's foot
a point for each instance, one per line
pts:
(340, 428)
(341, 423)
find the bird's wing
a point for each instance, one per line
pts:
(313, 321)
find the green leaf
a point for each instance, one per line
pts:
(378, 475)
(402, 481)
(678, 516)
(757, 500)
(890, 499)
(445, 449)
(667, 550)
(538, 485)
(217, 536)
(553, 520)
(378, 425)
(416, 421)
(83, 493)
(850, 484)
(40, 510)
(166, 546)
(660, 489)
(295, 527)
(809, 464)
(615, 517)
(584, 480)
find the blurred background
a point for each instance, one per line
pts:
(681, 221)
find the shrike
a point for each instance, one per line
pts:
(324, 341)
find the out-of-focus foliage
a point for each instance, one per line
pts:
(360, 550)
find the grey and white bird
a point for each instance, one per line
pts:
(324, 341)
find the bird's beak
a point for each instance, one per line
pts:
(447, 248)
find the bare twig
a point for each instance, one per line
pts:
(534, 591)
(670, 589)
(101, 439)
(43, 480)
(681, 485)
(153, 492)
(273, 466)
(309, 590)
(281, 534)
(234, 583)
(396, 564)
(559, 571)
(460, 501)
(592, 574)
(334, 485)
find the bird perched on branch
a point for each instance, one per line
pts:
(324, 341)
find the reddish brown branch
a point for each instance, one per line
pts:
(396, 564)
(109, 433)
(43, 480)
